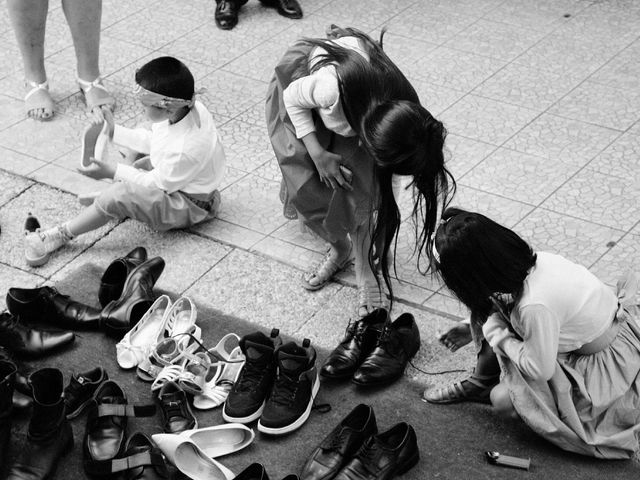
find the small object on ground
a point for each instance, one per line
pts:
(497, 458)
(31, 224)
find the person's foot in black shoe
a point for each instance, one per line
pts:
(227, 13)
(247, 397)
(79, 393)
(384, 456)
(286, 8)
(294, 389)
(398, 344)
(176, 413)
(358, 343)
(341, 444)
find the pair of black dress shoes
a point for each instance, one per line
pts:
(227, 10)
(374, 351)
(125, 294)
(354, 450)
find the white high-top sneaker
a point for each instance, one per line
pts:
(39, 245)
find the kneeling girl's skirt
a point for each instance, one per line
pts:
(591, 405)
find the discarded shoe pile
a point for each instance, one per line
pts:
(254, 378)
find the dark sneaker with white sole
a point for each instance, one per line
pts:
(295, 387)
(247, 398)
(79, 392)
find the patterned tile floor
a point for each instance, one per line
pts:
(541, 100)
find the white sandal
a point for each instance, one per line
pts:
(92, 95)
(181, 320)
(44, 103)
(216, 389)
(136, 345)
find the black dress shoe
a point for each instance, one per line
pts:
(341, 444)
(46, 304)
(384, 456)
(176, 413)
(255, 471)
(286, 8)
(398, 343)
(227, 13)
(113, 278)
(104, 436)
(121, 315)
(359, 341)
(142, 460)
(27, 342)
(82, 386)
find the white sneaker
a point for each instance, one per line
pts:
(39, 245)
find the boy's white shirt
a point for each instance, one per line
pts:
(320, 92)
(184, 157)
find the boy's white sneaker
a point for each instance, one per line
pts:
(38, 245)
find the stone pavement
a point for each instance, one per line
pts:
(541, 100)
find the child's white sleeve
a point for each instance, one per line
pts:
(399, 184)
(137, 139)
(319, 90)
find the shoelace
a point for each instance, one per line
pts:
(252, 373)
(337, 441)
(284, 390)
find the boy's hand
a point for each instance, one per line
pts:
(143, 163)
(99, 170)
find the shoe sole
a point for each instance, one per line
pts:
(37, 261)
(300, 421)
(248, 419)
(89, 141)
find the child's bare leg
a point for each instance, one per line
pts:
(370, 294)
(89, 219)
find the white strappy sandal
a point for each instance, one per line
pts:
(96, 94)
(181, 321)
(216, 389)
(39, 98)
(136, 345)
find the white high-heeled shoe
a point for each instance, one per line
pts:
(181, 320)
(136, 345)
(193, 451)
(216, 389)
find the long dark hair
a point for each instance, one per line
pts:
(479, 257)
(401, 136)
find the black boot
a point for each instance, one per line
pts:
(7, 376)
(46, 304)
(50, 435)
(121, 315)
(114, 277)
(27, 342)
